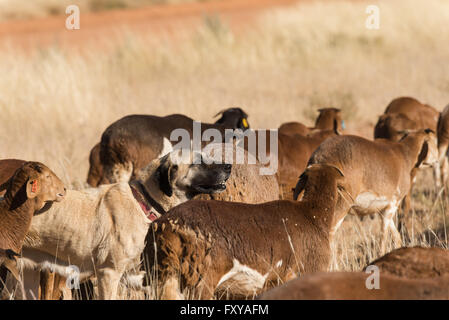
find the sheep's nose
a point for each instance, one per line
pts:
(62, 194)
(227, 167)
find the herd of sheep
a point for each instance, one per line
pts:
(168, 227)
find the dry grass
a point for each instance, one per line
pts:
(357, 241)
(55, 103)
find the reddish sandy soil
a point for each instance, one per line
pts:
(160, 19)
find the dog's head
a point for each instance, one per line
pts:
(233, 118)
(177, 179)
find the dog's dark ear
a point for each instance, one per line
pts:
(163, 175)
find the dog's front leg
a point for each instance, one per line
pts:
(108, 281)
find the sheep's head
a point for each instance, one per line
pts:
(425, 141)
(330, 119)
(233, 118)
(36, 182)
(393, 126)
(428, 155)
(317, 177)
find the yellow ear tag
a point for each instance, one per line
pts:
(245, 123)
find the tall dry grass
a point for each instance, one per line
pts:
(55, 103)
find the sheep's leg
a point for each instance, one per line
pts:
(204, 290)
(53, 287)
(31, 281)
(335, 228)
(405, 206)
(406, 203)
(437, 175)
(170, 289)
(444, 171)
(388, 225)
(61, 288)
(13, 288)
(47, 285)
(108, 281)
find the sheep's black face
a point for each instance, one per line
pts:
(234, 118)
(208, 178)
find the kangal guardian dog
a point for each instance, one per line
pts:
(101, 231)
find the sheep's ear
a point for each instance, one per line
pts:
(403, 133)
(300, 186)
(33, 188)
(337, 169)
(219, 113)
(336, 127)
(163, 175)
(423, 154)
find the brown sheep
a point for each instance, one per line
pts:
(294, 152)
(48, 280)
(247, 185)
(352, 286)
(95, 173)
(130, 143)
(402, 114)
(415, 263)
(28, 191)
(377, 173)
(234, 250)
(443, 144)
(328, 119)
(7, 169)
(392, 126)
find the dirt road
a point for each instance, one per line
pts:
(158, 19)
